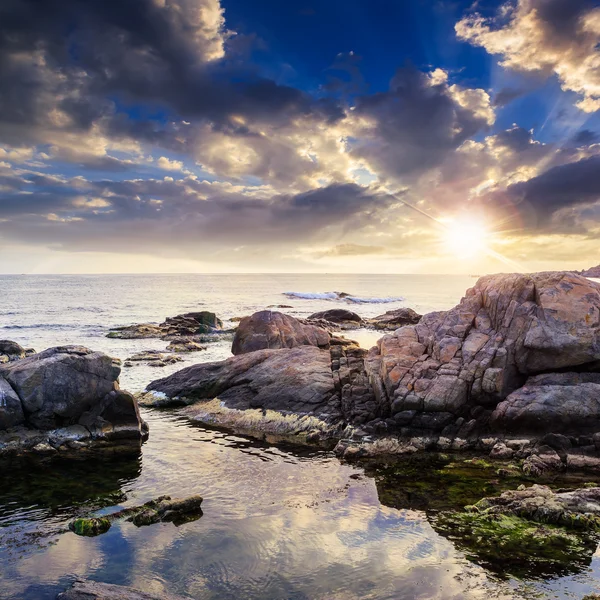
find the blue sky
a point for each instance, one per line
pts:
(377, 136)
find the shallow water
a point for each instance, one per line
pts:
(279, 522)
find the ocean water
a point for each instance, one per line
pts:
(279, 522)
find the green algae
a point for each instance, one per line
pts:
(90, 526)
(511, 545)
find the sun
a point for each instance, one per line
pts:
(465, 237)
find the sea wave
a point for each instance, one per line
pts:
(342, 296)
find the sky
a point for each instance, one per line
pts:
(367, 136)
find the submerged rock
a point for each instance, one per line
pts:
(529, 530)
(183, 345)
(94, 590)
(152, 358)
(163, 509)
(61, 388)
(273, 330)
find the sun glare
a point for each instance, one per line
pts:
(466, 238)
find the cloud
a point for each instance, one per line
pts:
(558, 37)
(421, 119)
(169, 165)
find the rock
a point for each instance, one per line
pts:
(163, 509)
(93, 590)
(578, 508)
(557, 402)
(594, 272)
(506, 329)
(58, 385)
(188, 324)
(152, 358)
(192, 323)
(136, 332)
(273, 330)
(182, 345)
(297, 380)
(337, 315)
(10, 351)
(11, 409)
(393, 319)
(63, 395)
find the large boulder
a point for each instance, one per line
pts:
(70, 389)
(461, 363)
(273, 330)
(296, 380)
(60, 384)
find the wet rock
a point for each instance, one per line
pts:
(579, 508)
(10, 351)
(188, 324)
(136, 332)
(273, 330)
(163, 509)
(338, 316)
(152, 358)
(515, 546)
(393, 319)
(184, 345)
(93, 590)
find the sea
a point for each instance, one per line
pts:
(280, 521)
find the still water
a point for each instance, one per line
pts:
(279, 522)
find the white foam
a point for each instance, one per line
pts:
(341, 296)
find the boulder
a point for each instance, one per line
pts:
(337, 315)
(136, 332)
(393, 319)
(63, 387)
(273, 330)
(94, 590)
(507, 328)
(297, 380)
(183, 344)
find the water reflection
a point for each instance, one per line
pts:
(278, 523)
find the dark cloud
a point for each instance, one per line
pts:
(81, 215)
(584, 137)
(536, 201)
(417, 123)
(77, 56)
(507, 95)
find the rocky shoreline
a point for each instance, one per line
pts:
(511, 371)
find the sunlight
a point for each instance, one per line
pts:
(465, 237)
